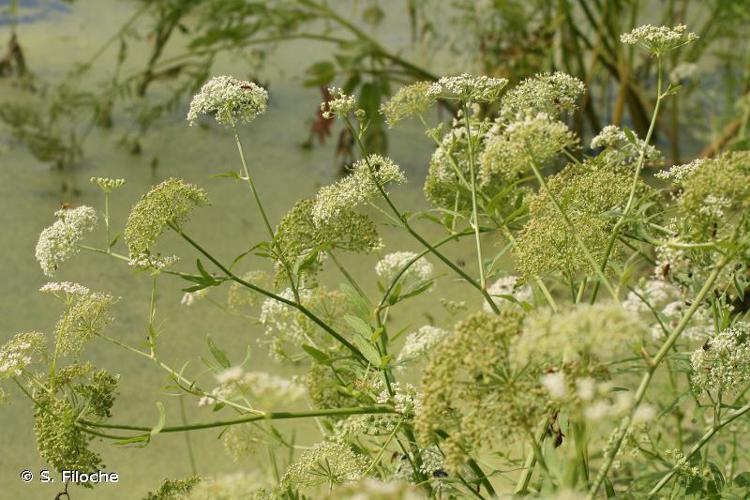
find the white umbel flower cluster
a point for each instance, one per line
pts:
(549, 93)
(19, 352)
(508, 286)
(659, 39)
(468, 88)
(723, 362)
(391, 265)
(418, 344)
(651, 294)
(618, 149)
(65, 287)
(679, 173)
(262, 389)
(339, 105)
(59, 242)
(229, 100)
(356, 188)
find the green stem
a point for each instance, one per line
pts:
(345, 273)
(648, 375)
(363, 410)
(636, 177)
(333, 333)
(592, 262)
(697, 447)
(405, 224)
(259, 204)
(522, 484)
(474, 211)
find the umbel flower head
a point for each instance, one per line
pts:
(506, 289)
(169, 202)
(550, 93)
(619, 149)
(587, 194)
(86, 314)
(533, 139)
(419, 344)
(107, 184)
(590, 332)
(659, 39)
(229, 100)
(19, 352)
(410, 100)
(339, 105)
(301, 240)
(356, 188)
(468, 88)
(472, 392)
(715, 197)
(286, 329)
(723, 363)
(393, 263)
(325, 463)
(59, 242)
(447, 183)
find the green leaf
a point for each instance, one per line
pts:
(360, 304)
(202, 270)
(368, 350)
(230, 175)
(217, 353)
(609, 488)
(319, 74)
(630, 135)
(162, 419)
(742, 480)
(358, 325)
(317, 355)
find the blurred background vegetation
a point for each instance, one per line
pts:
(100, 87)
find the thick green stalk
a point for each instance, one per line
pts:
(315, 319)
(282, 415)
(648, 375)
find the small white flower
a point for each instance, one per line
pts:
(66, 287)
(555, 384)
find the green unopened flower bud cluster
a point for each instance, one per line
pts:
(168, 202)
